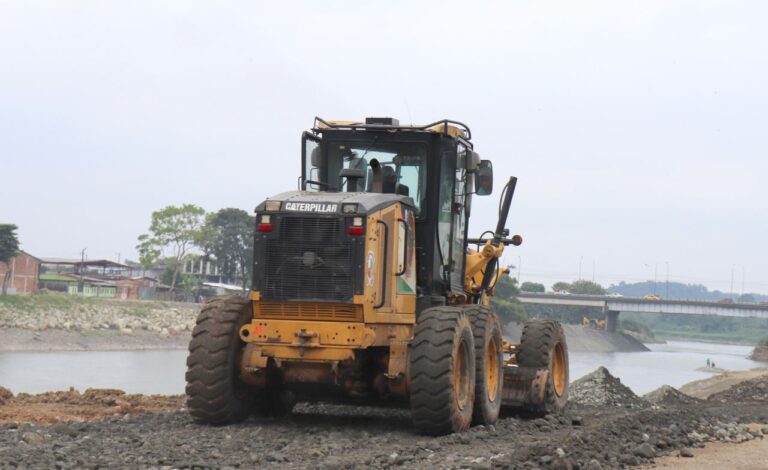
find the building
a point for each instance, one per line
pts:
(20, 274)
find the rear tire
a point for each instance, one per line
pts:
(489, 363)
(543, 345)
(442, 372)
(215, 394)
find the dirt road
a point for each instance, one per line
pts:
(719, 456)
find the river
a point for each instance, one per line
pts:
(162, 372)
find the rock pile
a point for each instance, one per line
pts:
(759, 354)
(666, 395)
(82, 315)
(600, 388)
(747, 391)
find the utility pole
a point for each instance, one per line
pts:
(733, 266)
(655, 277)
(667, 294)
(80, 269)
(580, 260)
(743, 275)
(519, 270)
(593, 270)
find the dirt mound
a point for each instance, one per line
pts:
(600, 388)
(759, 354)
(5, 395)
(666, 395)
(750, 390)
(71, 405)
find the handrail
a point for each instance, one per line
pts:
(384, 266)
(405, 259)
(361, 125)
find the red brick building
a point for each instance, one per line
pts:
(20, 274)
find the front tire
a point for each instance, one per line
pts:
(215, 394)
(543, 345)
(442, 372)
(489, 363)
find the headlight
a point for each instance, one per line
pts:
(349, 208)
(272, 205)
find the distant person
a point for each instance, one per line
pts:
(713, 365)
(709, 363)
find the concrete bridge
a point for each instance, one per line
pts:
(612, 306)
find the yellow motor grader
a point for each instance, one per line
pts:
(367, 290)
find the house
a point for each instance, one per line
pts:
(19, 275)
(142, 288)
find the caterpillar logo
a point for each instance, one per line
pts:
(310, 207)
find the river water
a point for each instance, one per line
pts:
(674, 363)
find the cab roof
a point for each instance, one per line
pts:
(448, 127)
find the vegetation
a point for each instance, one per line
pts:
(175, 229)
(763, 343)
(226, 235)
(532, 287)
(582, 286)
(505, 302)
(678, 290)
(9, 246)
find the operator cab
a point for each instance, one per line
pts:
(434, 165)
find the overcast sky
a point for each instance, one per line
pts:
(638, 130)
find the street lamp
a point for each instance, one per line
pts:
(580, 260)
(519, 270)
(667, 294)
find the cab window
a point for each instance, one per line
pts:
(403, 166)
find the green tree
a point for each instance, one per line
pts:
(172, 228)
(558, 286)
(505, 302)
(9, 246)
(586, 287)
(228, 235)
(532, 287)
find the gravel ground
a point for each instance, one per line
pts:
(336, 436)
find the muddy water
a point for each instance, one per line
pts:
(674, 364)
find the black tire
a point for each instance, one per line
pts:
(486, 329)
(543, 345)
(215, 394)
(442, 372)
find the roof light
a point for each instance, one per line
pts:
(272, 205)
(349, 208)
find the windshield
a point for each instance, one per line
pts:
(403, 166)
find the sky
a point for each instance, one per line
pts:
(638, 130)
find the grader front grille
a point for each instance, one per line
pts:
(308, 311)
(312, 259)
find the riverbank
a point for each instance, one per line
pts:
(73, 323)
(582, 339)
(25, 340)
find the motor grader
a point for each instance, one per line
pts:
(367, 290)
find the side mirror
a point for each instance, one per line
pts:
(473, 161)
(484, 178)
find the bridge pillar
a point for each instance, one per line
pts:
(611, 320)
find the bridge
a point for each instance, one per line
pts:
(613, 305)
